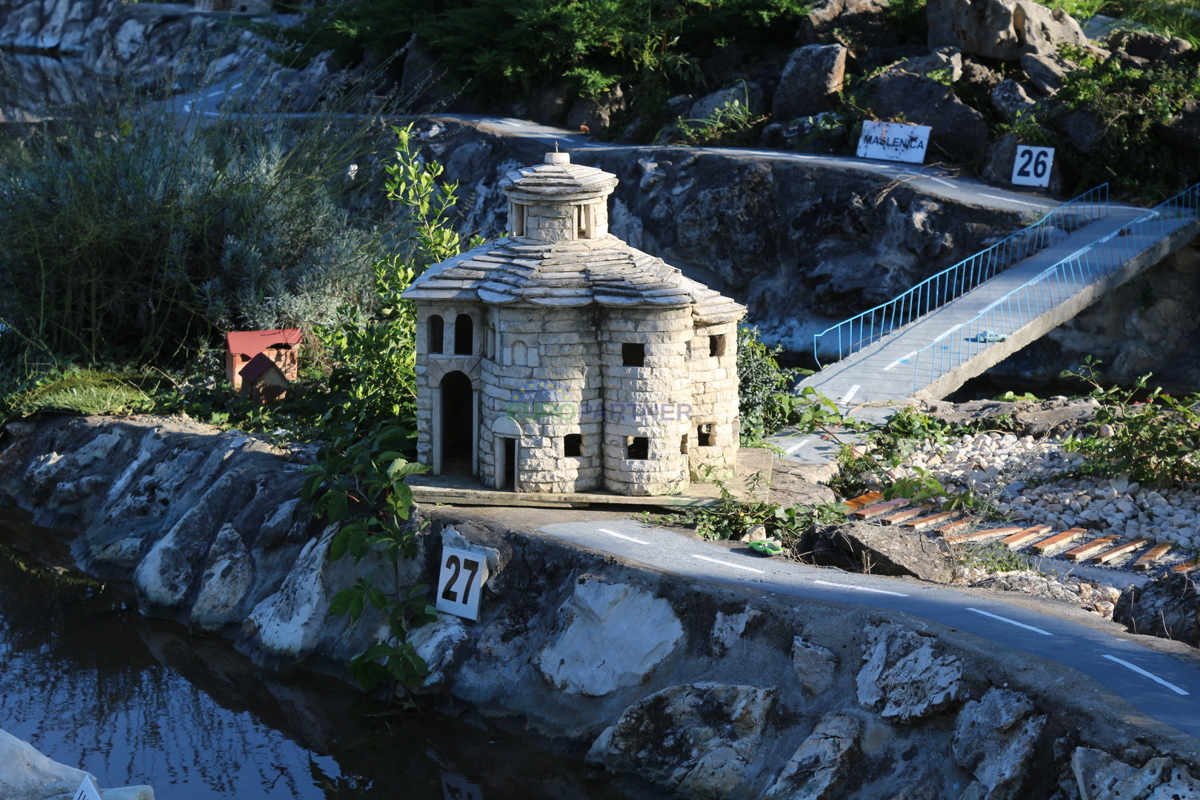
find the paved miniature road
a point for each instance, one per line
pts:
(1160, 685)
(936, 180)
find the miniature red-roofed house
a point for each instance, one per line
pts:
(263, 380)
(281, 346)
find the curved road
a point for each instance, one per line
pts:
(1162, 686)
(1159, 684)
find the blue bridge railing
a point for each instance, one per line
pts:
(870, 326)
(1052, 286)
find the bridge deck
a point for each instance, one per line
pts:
(887, 371)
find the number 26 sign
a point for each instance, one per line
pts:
(460, 582)
(1032, 165)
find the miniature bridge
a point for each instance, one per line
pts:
(953, 326)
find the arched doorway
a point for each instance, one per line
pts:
(457, 429)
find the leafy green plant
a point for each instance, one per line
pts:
(925, 488)
(362, 471)
(1149, 435)
(730, 124)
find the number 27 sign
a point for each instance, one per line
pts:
(1032, 165)
(460, 582)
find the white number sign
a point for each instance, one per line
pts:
(893, 141)
(460, 582)
(1032, 166)
(87, 790)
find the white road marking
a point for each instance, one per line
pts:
(1012, 622)
(900, 361)
(622, 536)
(1149, 675)
(1010, 200)
(947, 333)
(859, 588)
(942, 182)
(729, 564)
(187, 107)
(796, 447)
(850, 394)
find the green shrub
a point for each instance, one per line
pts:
(505, 48)
(125, 238)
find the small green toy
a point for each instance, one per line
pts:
(766, 547)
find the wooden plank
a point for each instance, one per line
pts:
(928, 522)
(1025, 535)
(1187, 566)
(882, 508)
(1083, 551)
(954, 525)
(1119, 550)
(990, 532)
(863, 500)
(1065, 537)
(906, 514)
(1151, 557)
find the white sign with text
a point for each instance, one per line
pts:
(894, 141)
(1032, 165)
(460, 582)
(87, 790)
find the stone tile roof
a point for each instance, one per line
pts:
(558, 179)
(603, 270)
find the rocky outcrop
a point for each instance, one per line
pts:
(1168, 606)
(821, 764)
(890, 550)
(810, 81)
(958, 130)
(698, 740)
(1001, 29)
(1099, 776)
(996, 738)
(905, 678)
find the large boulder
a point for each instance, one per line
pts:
(905, 678)
(1149, 46)
(45, 25)
(1001, 29)
(946, 61)
(892, 550)
(821, 764)
(854, 23)
(746, 94)
(698, 740)
(1168, 607)
(1047, 72)
(1011, 100)
(26, 774)
(810, 81)
(996, 739)
(958, 130)
(1099, 776)
(612, 636)
(1183, 131)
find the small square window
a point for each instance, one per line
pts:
(637, 447)
(633, 354)
(716, 345)
(573, 445)
(704, 435)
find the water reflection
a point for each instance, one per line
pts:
(92, 684)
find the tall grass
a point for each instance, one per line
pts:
(126, 234)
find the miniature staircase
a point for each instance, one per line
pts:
(890, 358)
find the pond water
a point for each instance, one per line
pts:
(91, 683)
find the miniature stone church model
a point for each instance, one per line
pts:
(560, 359)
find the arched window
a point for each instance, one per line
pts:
(520, 354)
(436, 330)
(463, 335)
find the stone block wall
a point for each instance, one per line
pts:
(431, 368)
(712, 362)
(647, 407)
(555, 394)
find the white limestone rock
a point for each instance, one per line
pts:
(1099, 776)
(814, 665)
(995, 739)
(904, 677)
(697, 739)
(821, 763)
(728, 628)
(26, 774)
(612, 636)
